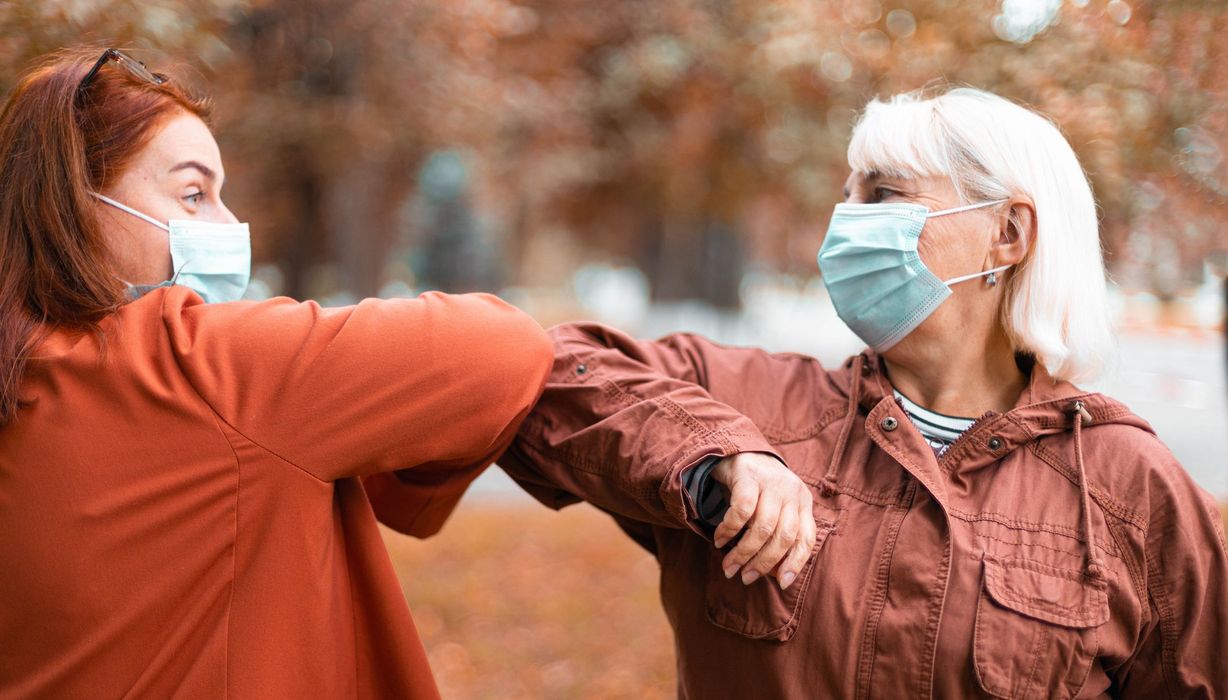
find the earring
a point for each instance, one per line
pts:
(992, 279)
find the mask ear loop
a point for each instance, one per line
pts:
(993, 274)
(967, 207)
(993, 279)
(134, 212)
(175, 277)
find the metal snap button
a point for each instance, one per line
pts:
(889, 424)
(581, 369)
(995, 443)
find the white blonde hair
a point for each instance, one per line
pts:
(1055, 306)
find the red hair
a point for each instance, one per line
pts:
(56, 269)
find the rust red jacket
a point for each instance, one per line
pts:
(181, 510)
(1056, 550)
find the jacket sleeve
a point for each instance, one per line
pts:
(434, 385)
(1183, 648)
(621, 420)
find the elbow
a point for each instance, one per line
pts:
(533, 359)
(542, 358)
(522, 356)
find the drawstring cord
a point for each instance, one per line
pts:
(1094, 567)
(828, 486)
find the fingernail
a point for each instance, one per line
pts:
(787, 580)
(748, 577)
(730, 571)
(721, 542)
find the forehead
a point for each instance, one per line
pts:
(183, 137)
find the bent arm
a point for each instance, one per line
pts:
(621, 420)
(437, 382)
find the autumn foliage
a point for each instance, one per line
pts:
(694, 139)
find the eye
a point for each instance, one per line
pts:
(195, 197)
(881, 193)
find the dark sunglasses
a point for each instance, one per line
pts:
(128, 63)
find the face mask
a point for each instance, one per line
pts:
(875, 276)
(214, 260)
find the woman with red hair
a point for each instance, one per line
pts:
(188, 482)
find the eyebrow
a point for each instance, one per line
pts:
(866, 176)
(204, 169)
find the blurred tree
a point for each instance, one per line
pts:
(709, 109)
(694, 136)
(327, 137)
(456, 256)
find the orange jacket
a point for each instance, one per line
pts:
(182, 506)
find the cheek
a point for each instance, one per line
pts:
(157, 247)
(150, 252)
(948, 249)
(158, 251)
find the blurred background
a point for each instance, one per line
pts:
(663, 165)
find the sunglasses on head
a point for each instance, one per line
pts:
(127, 62)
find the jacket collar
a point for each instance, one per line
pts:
(1044, 407)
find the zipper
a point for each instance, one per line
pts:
(965, 436)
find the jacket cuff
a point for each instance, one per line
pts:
(702, 508)
(704, 499)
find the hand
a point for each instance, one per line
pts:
(777, 511)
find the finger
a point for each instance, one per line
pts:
(807, 530)
(759, 530)
(743, 496)
(798, 555)
(776, 547)
(805, 515)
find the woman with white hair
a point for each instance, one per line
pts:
(981, 526)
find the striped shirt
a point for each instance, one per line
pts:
(940, 430)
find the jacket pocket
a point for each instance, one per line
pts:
(1036, 625)
(761, 610)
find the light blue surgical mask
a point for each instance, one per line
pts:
(875, 276)
(212, 259)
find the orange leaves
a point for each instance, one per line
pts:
(516, 601)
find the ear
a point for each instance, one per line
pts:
(1016, 231)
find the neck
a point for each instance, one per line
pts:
(959, 378)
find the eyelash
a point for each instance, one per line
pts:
(195, 197)
(881, 193)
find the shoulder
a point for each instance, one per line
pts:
(182, 309)
(1128, 462)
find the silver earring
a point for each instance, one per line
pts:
(992, 280)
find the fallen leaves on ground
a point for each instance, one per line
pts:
(517, 601)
